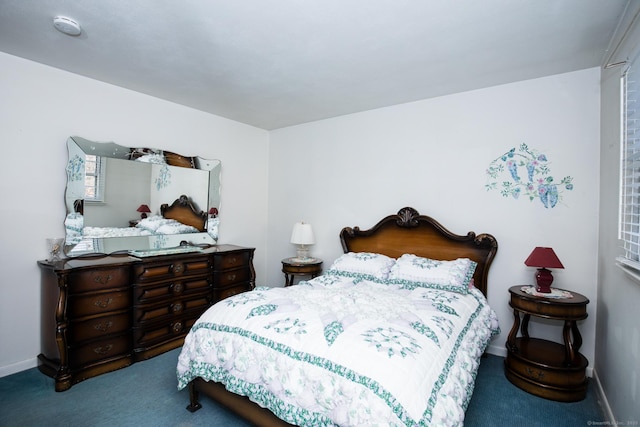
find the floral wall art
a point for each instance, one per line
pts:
(524, 173)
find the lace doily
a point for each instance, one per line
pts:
(555, 293)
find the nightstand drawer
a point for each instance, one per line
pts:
(541, 362)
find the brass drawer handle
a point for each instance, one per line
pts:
(177, 268)
(103, 303)
(231, 276)
(176, 327)
(535, 374)
(103, 280)
(176, 288)
(177, 307)
(103, 350)
(103, 326)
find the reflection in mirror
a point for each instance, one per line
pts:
(123, 199)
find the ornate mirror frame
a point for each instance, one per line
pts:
(128, 181)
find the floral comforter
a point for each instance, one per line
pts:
(329, 351)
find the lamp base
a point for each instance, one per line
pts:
(543, 281)
(302, 253)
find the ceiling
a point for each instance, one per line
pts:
(279, 63)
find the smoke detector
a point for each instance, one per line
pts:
(67, 25)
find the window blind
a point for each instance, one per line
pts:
(629, 224)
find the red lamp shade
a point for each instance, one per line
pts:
(144, 209)
(213, 212)
(543, 258)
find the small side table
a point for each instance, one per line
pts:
(544, 368)
(292, 267)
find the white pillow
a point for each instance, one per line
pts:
(175, 227)
(329, 281)
(413, 271)
(362, 265)
(151, 223)
(158, 159)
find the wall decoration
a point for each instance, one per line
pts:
(164, 177)
(75, 168)
(525, 172)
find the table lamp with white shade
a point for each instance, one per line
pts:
(302, 236)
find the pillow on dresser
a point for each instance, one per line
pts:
(413, 271)
(362, 265)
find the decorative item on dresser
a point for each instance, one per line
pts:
(104, 313)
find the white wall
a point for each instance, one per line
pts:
(432, 155)
(42, 106)
(618, 329)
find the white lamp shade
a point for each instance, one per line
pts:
(302, 234)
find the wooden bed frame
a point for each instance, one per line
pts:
(394, 235)
(182, 210)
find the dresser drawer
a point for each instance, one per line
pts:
(169, 289)
(231, 260)
(81, 305)
(220, 294)
(99, 350)
(171, 309)
(98, 279)
(162, 332)
(223, 279)
(169, 268)
(99, 326)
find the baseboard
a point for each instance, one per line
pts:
(497, 350)
(18, 367)
(602, 399)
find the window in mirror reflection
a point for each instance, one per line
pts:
(94, 178)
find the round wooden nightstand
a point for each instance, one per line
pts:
(292, 267)
(545, 368)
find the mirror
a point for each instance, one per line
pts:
(122, 199)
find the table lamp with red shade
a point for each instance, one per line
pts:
(543, 258)
(144, 209)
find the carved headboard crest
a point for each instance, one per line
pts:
(407, 217)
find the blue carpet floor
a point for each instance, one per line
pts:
(145, 394)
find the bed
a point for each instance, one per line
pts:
(181, 217)
(391, 334)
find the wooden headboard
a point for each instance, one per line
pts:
(412, 233)
(184, 211)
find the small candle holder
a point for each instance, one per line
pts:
(54, 248)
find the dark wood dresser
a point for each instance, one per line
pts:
(102, 314)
